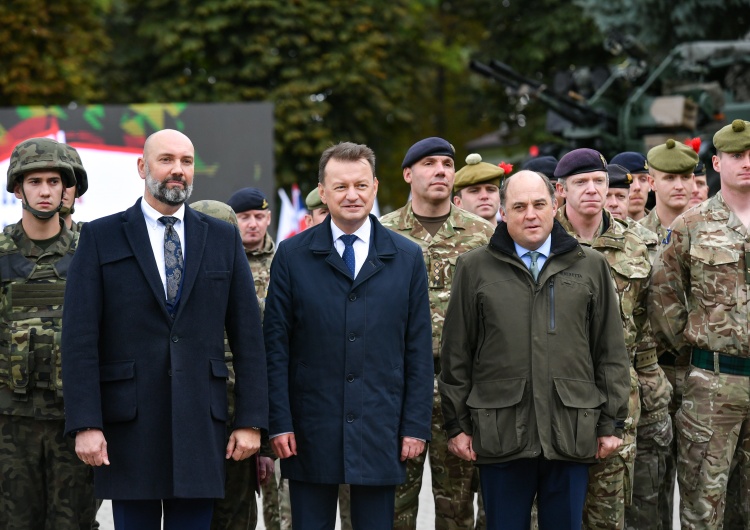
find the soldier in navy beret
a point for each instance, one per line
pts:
(254, 217)
(700, 185)
(590, 187)
(637, 165)
(432, 146)
(618, 193)
(546, 166)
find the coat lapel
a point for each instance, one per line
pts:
(195, 235)
(137, 235)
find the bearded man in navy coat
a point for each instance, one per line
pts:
(143, 349)
(349, 347)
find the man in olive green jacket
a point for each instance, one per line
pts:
(534, 380)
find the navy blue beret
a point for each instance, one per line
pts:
(580, 161)
(632, 161)
(428, 147)
(542, 164)
(619, 176)
(246, 199)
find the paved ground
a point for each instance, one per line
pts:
(426, 520)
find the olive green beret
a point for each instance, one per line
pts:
(734, 138)
(216, 209)
(312, 201)
(477, 172)
(673, 157)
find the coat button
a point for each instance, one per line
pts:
(349, 418)
(352, 337)
(169, 372)
(350, 378)
(175, 338)
(352, 297)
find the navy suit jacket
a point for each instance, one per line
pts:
(155, 385)
(349, 361)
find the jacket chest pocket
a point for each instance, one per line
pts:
(499, 415)
(713, 274)
(575, 416)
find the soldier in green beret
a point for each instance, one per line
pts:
(43, 484)
(317, 210)
(699, 307)
(477, 188)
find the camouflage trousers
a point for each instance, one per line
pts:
(238, 509)
(43, 484)
(451, 483)
(277, 510)
(676, 375)
(712, 423)
(653, 444)
(610, 480)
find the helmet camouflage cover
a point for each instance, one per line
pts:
(38, 154)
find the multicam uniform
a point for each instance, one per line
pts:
(675, 367)
(451, 476)
(611, 481)
(43, 484)
(699, 307)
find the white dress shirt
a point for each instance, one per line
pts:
(361, 245)
(156, 236)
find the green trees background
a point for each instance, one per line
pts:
(375, 72)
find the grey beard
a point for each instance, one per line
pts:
(170, 196)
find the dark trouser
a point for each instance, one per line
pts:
(509, 489)
(179, 514)
(314, 506)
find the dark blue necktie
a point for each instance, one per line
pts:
(172, 257)
(349, 251)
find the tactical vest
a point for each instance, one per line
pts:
(31, 323)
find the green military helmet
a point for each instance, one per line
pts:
(71, 156)
(38, 154)
(216, 209)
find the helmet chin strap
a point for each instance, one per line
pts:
(38, 213)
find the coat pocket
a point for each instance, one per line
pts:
(691, 448)
(575, 416)
(218, 382)
(499, 416)
(119, 394)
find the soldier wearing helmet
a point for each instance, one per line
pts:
(51, 488)
(71, 156)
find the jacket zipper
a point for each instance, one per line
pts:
(552, 304)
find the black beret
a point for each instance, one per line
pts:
(700, 169)
(619, 176)
(580, 161)
(428, 147)
(542, 164)
(248, 199)
(632, 161)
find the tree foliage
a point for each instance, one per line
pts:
(49, 50)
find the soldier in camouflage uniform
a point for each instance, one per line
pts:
(583, 179)
(71, 156)
(254, 218)
(670, 164)
(444, 232)
(43, 484)
(699, 307)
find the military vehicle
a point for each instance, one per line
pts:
(695, 90)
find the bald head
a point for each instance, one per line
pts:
(168, 137)
(524, 177)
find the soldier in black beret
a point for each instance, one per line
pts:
(546, 166)
(618, 193)
(700, 185)
(637, 165)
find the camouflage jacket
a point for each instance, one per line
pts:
(652, 223)
(462, 231)
(32, 281)
(630, 268)
(699, 285)
(260, 265)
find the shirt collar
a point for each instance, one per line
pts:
(152, 215)
(363, 232)
(544, 250)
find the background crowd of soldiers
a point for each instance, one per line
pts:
(44, 485)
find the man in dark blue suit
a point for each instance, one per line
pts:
(147, 303)
(349, 346)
